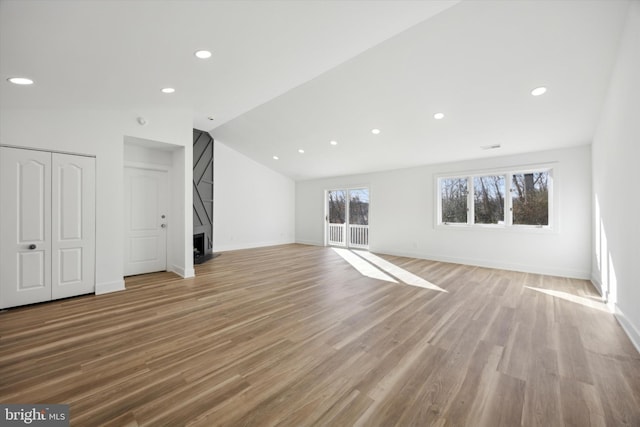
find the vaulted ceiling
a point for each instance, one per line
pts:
(286, 76)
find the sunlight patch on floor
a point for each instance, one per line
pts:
(365, 268)
(373, 266)
(400, 273)
(587, 302)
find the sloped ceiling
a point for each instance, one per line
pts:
(288, 75)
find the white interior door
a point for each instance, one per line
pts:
(73, 219)
(25, 226)
(145, 218)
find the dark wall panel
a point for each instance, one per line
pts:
(203, 186)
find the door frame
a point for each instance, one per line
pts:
(347, 223)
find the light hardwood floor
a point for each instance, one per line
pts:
(293, 335)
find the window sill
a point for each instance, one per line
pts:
(499, 228)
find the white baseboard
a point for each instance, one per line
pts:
(629, 328)
(182, 272)
(309, 242)
(596, 284)
(238, 246)
(631, 331)
(108, 287)
(476, 262)
(598, 287)
(492, 264)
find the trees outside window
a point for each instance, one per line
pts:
(337, 206)
(453, 193)
(530, 198)
(359, 206)
(504, 199)
(488, 199)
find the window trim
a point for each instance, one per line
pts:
(508, 172)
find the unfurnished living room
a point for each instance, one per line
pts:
(319, 212)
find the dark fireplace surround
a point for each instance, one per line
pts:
(198, 246)
(202, 196)
(200, 252)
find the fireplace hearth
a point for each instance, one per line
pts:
(200, 254)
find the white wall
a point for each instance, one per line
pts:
(616, 150)
(134, 153)
(402, 217)
(254, 206)
(101, 133)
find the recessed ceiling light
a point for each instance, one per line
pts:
(276, 158)
(538, 91)
(438, 116)
(375, 131)
(168, 90)
(203, 54)
(210, 118)
(333, 142)
(301, 151)
(490, 147)
(20, 81)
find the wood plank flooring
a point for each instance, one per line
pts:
(293, 335)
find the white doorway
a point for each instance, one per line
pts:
(347, 218)
(145, 220)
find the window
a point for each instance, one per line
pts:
(504, 199)
(359, 206)
(453, 194)
(488, 199)
(530, 198)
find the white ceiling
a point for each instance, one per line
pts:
(295, 74)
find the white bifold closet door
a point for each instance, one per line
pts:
(47, 222)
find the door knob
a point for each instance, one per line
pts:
(163, 225)
(32, 246)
